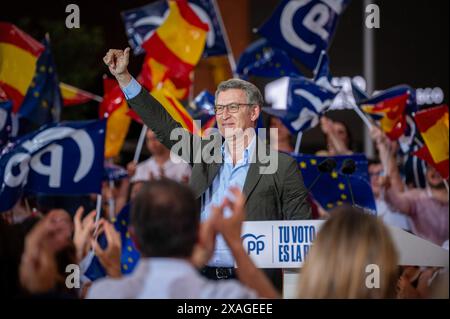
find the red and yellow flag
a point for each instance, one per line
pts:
(391, 114)
(175, 109)
(74, 96)
(434, 128)
(114, 106)
(174, 49)
(19, 53)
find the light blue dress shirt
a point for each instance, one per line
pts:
(229, 175)
(132, 89)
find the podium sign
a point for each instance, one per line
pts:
(285, 244)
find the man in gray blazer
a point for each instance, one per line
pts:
(271, 181)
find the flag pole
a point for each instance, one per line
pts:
(98, 210)
(111, 200)
(140, 143)
(369, 71)
(298, 142)
(230, 56)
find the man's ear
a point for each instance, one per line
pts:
(256, 111)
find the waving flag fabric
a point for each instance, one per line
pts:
(62, 158)
(114, 107)
(262, 59)
(299, 102)
(434, 128)
(389, 108)
(179, 42)
(335, 183)
(19, 53)
(303, 28)
(140, 23)
(43, 102)
(203, 110)
(74, 96)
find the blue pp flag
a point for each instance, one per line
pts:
(202, 109)
(114, 172)
(299, 102)
(59, 159)
(129, 256)
(42, 103)
(332, 189)
(140, 23)
(263, 60)
(303, 28)
(5, 123)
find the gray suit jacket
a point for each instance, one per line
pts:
(277, 196)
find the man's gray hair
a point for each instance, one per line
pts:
(254, 96)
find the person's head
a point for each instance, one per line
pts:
(375, 170)
(165, 219)
(434, 179)
(342, 132)
(283, 131)
(347, 246)
(242, 101)
(154, 145)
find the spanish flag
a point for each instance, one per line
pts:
(434, 128)
(176, 46)
(115, 108)
(175, 109)
(19, 53)
(390, 113)
(74, 96)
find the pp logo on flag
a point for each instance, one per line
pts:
(17, 167)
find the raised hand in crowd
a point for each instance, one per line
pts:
(110, 256)
(337, 137)
(38, 267)
(204, 248)
(414, 283)
(230, 228)
(131, 168)
(83, 232)
(387, 150)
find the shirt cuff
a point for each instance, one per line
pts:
(132, 89)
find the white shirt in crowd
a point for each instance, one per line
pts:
(149, 169)
(167, 278)
(391, 217)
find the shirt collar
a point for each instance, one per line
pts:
(248, 151)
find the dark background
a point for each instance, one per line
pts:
(411, 46)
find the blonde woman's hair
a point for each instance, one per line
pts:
(347, 243)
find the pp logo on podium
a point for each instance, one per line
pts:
(254, 244)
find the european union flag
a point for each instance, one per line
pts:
(333, 189)
(299, 102)
(262, 59)
(42, 103)
(5, 123)
(303, 28)
(129, 256)
(140, 23)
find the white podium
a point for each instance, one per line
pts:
(285, 244)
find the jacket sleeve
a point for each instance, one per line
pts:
(169, 132)
(295, 204)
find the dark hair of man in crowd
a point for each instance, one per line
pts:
(165, 219)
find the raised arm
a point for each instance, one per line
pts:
(150, 110)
